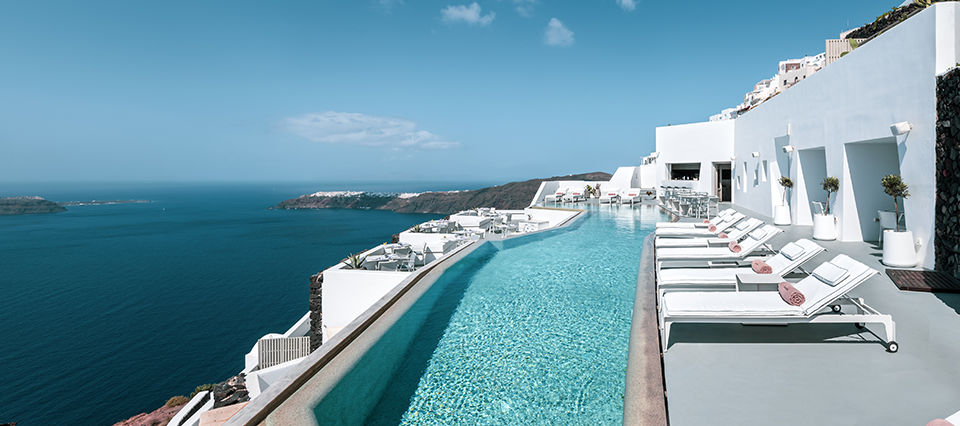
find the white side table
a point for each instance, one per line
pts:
(758, 282)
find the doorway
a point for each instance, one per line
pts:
(722, 179)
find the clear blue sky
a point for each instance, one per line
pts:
(377, 90)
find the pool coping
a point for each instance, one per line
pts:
(258, 409)
(644, 394)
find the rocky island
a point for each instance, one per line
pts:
(510, 196)
(28, 205)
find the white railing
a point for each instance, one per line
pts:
(279, 351)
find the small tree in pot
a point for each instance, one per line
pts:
(830, 184)
(895, 187)
(898, 246)
(781, 213)
(825, 225)
(786, 183)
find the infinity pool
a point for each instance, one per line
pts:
(531, 330)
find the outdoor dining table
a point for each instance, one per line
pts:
(396, 245)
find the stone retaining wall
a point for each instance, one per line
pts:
(947, 215)
(316, 311)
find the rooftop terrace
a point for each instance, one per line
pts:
(818, 373)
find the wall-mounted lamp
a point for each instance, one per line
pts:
(901, 128)
(788, 148)
(733, 158)
(755, 154)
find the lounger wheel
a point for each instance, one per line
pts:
(860, 325)
(836, 308)
(893, 347)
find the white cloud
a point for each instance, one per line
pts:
(557, 34)
(364, 130)
(386, 6)
(627, 5)
(524, 7)
(468, 14)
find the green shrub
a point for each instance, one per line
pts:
(177, 401)
(202, 388)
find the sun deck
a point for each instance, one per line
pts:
(813, 374)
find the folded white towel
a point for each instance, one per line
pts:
(792, 251)
(830, 274)
(758, 234)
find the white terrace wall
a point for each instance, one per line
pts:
(839, 121)
(625, 178)
(705, 143)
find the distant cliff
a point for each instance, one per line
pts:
(510, 196)
(28, 205)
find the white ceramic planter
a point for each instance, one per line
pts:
(781, 215)
(824, 227)
(898, 249)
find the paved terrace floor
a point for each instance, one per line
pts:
(821, 374)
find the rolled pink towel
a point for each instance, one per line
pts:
(734, 247)
(761, 267)
(712, 228)
(939, 422)
(723, 235)
(706, 221)
(790, 294)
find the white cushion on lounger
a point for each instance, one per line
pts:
(830, 274)
(792, 251)
(685, 232)
(719, 304)
(758, 234)
(741, 226)
(695, 276)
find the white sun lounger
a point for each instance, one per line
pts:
(610, 196)
(556, 196)
(791, 257)
(825, 290)
(574, 195)
(631, 196)
(734, 233)
(717, 219)
(752, 242)
(724, 226)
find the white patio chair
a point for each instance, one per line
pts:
(389, 265)
(824, 291)
(888, 220)
(408, 264)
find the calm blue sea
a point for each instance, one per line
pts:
(107, 311)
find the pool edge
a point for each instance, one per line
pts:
(644, 394)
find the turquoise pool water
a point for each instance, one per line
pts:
(532, 330)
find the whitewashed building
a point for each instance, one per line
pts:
(838, 124)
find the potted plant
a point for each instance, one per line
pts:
(898, 247)
(354, 261)
(781, 213)
(825, 225)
